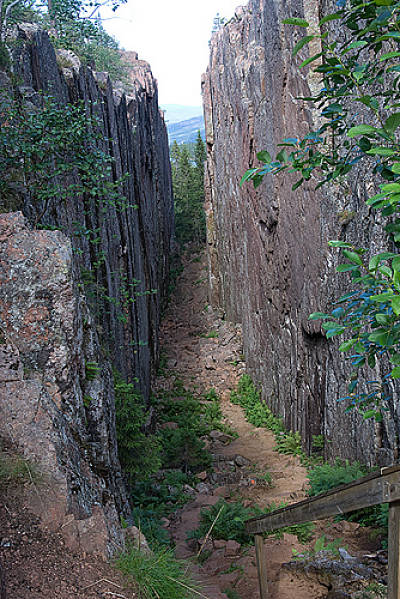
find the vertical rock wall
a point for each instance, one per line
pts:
(131, 255)
(270, 265)
(57, 341)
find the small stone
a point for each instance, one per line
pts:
(241, 461)
(232, 548)
(138, 538)
(219, 544)
(188, 490)
(202, 475)
(202, 488)
(210, 363)
(346, 555)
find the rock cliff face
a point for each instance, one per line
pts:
(270, 265)
(57, 343)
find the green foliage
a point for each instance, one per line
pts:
(196, 417)
(289, 443)
(15, 470)
(321, 544)
(181, 448)
(188, 185)
(374, 590)
(325, 477)
(51, 153)
(256, 411)
(138, 453)
(232, 594)
(231, 522)
(157, 575)
(359, 67)
(155, 497)
(328, 476)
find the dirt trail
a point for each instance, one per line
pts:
(205, 351)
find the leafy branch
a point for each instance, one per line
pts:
(358, 68)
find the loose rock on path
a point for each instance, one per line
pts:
(205, 351)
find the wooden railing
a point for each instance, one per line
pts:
(379, 487)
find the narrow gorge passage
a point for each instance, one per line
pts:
(204, 351)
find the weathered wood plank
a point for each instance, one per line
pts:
(261, 567)
(380, 487)
(394, 551)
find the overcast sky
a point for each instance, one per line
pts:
(173, 36)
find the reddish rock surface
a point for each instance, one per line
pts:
(47, 337)
(269, 263)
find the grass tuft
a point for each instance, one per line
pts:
(158, 575)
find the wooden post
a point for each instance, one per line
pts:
(394, 551)
(262, 566)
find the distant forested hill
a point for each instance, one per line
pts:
(186, 131)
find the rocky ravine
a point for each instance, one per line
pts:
(217, 361)
(58, 344)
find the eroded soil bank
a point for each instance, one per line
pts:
(205, 351)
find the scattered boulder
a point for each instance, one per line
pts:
(241, 461)
(232, 548)
(203, 488)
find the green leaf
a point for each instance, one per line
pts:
(340, 244)
(396, 168)
(392, 122)
(332, 17)
(395, 303)
(345, 267)
(381, 151)
(331, 324)
(368, 414)
(334, 332)
(310, 59)
(296, 21)
(264, 156)
(353, 257)
(395, 374)
(382, 318)
(301, 43)
(395, 358)
(318, 315)
(248, 175)
(380, 337)
(361, 130)
(396, 263)
(389, 55)
(346, 345)
(382, 297)
(391, 187)
(297, 184)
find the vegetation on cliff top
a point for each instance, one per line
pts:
(358, 102)
(72, 24)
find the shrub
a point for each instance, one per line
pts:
(328, 476)
(231, 522)
(15, 470)
(157, 575)
(138, 453)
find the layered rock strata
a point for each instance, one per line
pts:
(270, 265)
(71, 306)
